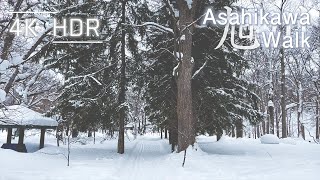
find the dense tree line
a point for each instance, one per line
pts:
(157, 66)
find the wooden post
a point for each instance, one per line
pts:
(9, 136)
(21, 136)
(42, 138)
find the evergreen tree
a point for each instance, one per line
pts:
(96, 75)
(221, 97)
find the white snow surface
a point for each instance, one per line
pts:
(2, 95)
(20, 115)
(269, 139)
(4, 64)
(149, 158)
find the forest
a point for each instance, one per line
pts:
(119, 71)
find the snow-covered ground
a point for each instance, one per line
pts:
(148, 157)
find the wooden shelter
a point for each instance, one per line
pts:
(20, 117)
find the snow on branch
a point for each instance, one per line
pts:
(96, 80)
(193, 23)
(175, 70)
(38, 41)
(174, 13)
(199, 70)
(158, 26)
(292, 105)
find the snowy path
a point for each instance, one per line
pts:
(149, 158)
(143, 157)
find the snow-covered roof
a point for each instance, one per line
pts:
(23, 116)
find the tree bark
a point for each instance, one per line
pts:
(8, 40)
(186, 129)
(173, 134)
(139, 127)
(317, 119)
(303, 132)
(74, 133)
(232, 132)
(268, 126)
(122, 85)
(166, 133)
(219, 135)
(283, 79)
(239, 128)
(258, 131)
(271, 118)
(283, 96)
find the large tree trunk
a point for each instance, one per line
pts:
(122, 84)
(271, 117)
(283, 96)
(283, 79)
(239, 128)
(268, 126)
(186, 134)
(186, 124)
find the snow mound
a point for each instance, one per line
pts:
(2, 95)
(269, 139)
(288, 141)
(4, 65)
